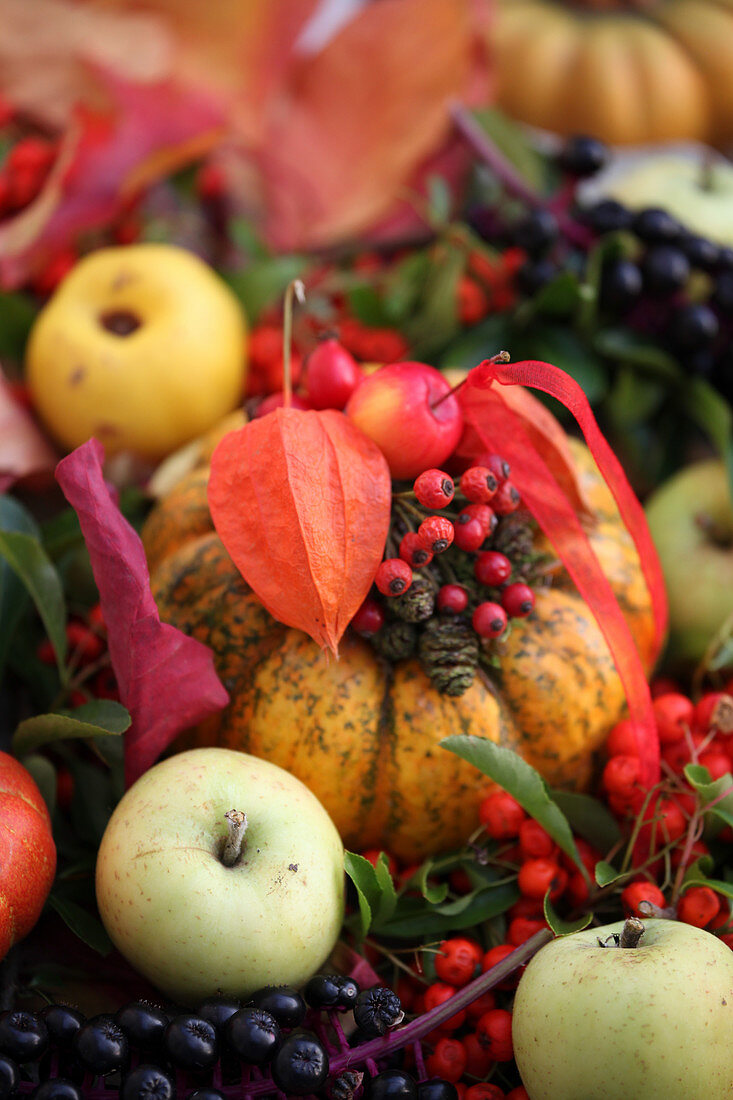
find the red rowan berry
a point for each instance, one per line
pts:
(520, 929)
(496, 955)
(437, 994)
(636, 892)
(452, 599)
(716, 760)
(492, 568)
(434, 488)
(698, 906)
(478, 1060)
(679, 753)
(519, 1093)
(534, 841)
(714, 711)
(697, 850)
(499, 467)
(506, 499)
(577, 890)
(436, 533)
(494, 1031)
(622, 774)
(483, 514)
(478, 484)
(622, 740)
(673, 714)
(489, 620)
(369, 618)
(518, 600)
(484, 1090)
(413, 551)
(472, 301)
(469, 533)
(448, 1060)
(393, 577)
(481, 1004)
(501, 815)
(457, 960)
(46, 653)
(83, 642)
(95, 618)
(104, 685)
(537, 876)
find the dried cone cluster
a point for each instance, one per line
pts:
(458, 567)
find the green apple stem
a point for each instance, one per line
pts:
(233, 845)
(294, 289)
(631, 932)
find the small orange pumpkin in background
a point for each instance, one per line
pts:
(626, 71)
(363, 733)
(27, 852)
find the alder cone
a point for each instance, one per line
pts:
(364, 733)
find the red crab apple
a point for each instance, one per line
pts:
(410, 413)
(594, 1022)
(194, 915)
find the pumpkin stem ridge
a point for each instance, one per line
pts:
(231, 853)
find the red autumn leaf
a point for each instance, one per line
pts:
(301, 501)
(105, 159)
(541, 427)
(24, 450)
(166, 679)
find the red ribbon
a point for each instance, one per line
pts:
(503, 431)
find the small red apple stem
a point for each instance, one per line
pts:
(232, 851)
(294, 289)
(500, 357)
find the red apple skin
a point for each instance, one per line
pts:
(397, 408)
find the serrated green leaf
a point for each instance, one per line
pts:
(562, 927)
(101, 717)
(605, 873)
(82, 923)
(29, 561)
(523, 783)
(589, 818)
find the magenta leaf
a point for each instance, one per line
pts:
(166, 679)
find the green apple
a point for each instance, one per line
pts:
(701, 198)
(190, 923)
(691, 522)
(615, 1023)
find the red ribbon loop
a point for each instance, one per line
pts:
(501, 429)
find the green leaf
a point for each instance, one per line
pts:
(440, 200)
(588, 818)
(512, 141)
(14, 597)
(95, 719)
(435, 321)
(626, 346)
(720, 887)
(634, 398)
(480, 342)
(708, 790)
(29, 561)
(605, 873)
(82, 923)
(560, 297)
(44, 774)
(374, 889)
(17, 314)
(560, 926)
(264, 281)
(414, 919)
(367, 306)
(432, 892)
(713, 415)
(523, 783)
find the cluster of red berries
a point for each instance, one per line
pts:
(92, 675)
(488, 286)
(487, 494)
